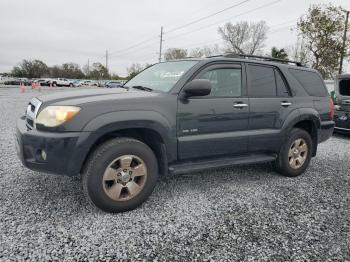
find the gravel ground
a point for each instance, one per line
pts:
(241, 213)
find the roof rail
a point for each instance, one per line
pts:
(263, 58)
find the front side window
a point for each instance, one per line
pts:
(224, 81)
(261, 81)
(161, 77)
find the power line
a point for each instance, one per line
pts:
(206, 17)
(225, 20)
(136, 45)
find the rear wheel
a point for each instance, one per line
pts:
(71, 85)
(120, 175)
(295, 154)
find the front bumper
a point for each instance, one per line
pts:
(62, 150)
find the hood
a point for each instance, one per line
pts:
(76, 97)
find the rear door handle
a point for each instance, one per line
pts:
(240, 105)
(285, 103)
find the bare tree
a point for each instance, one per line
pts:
(175, 53)
(244, 37)
(299, 52)
(205, 51)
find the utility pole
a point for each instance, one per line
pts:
(107, 59)
(342, 54)
(161, 44)
(88, 67)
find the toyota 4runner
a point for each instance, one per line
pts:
(177, 117)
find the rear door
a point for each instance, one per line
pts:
(270, 104)
(215, 125)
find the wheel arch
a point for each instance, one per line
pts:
(148, 136)
(307, 119)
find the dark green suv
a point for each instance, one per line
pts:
(177, 117)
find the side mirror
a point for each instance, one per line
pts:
(197, 87)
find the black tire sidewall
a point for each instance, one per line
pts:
(283, 165)
(94, 178)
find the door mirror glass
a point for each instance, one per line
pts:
(197, 87)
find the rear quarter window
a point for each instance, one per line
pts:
(311, 81)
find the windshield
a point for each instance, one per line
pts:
(161, 77)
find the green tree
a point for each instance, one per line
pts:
(279, 53)
(134, 69)
(175, 53)
(243, 37)
(98, 71)
(321, 30)
(30, 69)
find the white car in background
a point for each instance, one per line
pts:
(89, 83)
(61, 82)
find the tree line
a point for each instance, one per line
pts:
(38, 69)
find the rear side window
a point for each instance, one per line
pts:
(311, 81)
(261, 81)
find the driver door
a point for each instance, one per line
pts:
(215, 125)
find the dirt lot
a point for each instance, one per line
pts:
(240, 213)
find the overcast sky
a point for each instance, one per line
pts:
(58, 31)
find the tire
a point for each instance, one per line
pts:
(70, 85)
(100, 186)
(291, 161)
(54, 84)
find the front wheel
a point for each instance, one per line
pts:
(295, 154)
(120, 175)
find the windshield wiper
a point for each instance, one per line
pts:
(144, 88)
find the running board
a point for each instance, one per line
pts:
(198, 165)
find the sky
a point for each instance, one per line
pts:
(59, 31)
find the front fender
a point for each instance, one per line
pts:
(117, 121)
(114, 121)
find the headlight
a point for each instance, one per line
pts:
(337, 107)
(52, 116)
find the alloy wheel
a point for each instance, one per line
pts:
(125, 177)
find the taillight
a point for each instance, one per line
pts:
(331, 104)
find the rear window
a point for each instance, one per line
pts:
(311, 81)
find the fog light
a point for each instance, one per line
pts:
(43, 154)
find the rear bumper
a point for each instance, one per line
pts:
(326, 131)
(342, 121)
(63, 154)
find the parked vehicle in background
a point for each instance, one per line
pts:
(42, 82)
(114, 83)
(16, 81)
(76, 83)
(342, 104)
(177, 117)
(88, 83)
(61, 82)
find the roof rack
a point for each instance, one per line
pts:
(262, 58)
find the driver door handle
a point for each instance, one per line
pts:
(240, 105)
(286, 103)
